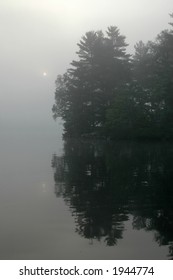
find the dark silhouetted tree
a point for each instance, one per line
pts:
(87, 90)
(106, 93)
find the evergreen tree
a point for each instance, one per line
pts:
(164, 71)
(90, 85)
(105, 92)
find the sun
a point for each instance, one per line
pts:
(44, 74)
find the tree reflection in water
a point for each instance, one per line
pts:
(103, 183)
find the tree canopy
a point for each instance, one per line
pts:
(108, 93)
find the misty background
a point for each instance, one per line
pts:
(37, 37)
(40, 36)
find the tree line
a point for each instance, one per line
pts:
(109, 93)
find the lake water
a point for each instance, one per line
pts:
(83, 199)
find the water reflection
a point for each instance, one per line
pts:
(105, 183)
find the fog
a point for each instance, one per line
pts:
(40, 36)
(50, 205)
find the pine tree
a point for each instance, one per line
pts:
(88, 89)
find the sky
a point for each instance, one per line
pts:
(39, 40)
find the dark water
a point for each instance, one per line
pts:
(120, 194)
(84, 199)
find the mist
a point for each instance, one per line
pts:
(42, 36)
(81, 198)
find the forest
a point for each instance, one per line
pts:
(109, 93)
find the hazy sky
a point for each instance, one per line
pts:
(40, 36)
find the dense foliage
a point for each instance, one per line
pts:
(108, 93)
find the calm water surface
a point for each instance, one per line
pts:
(84, 199)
